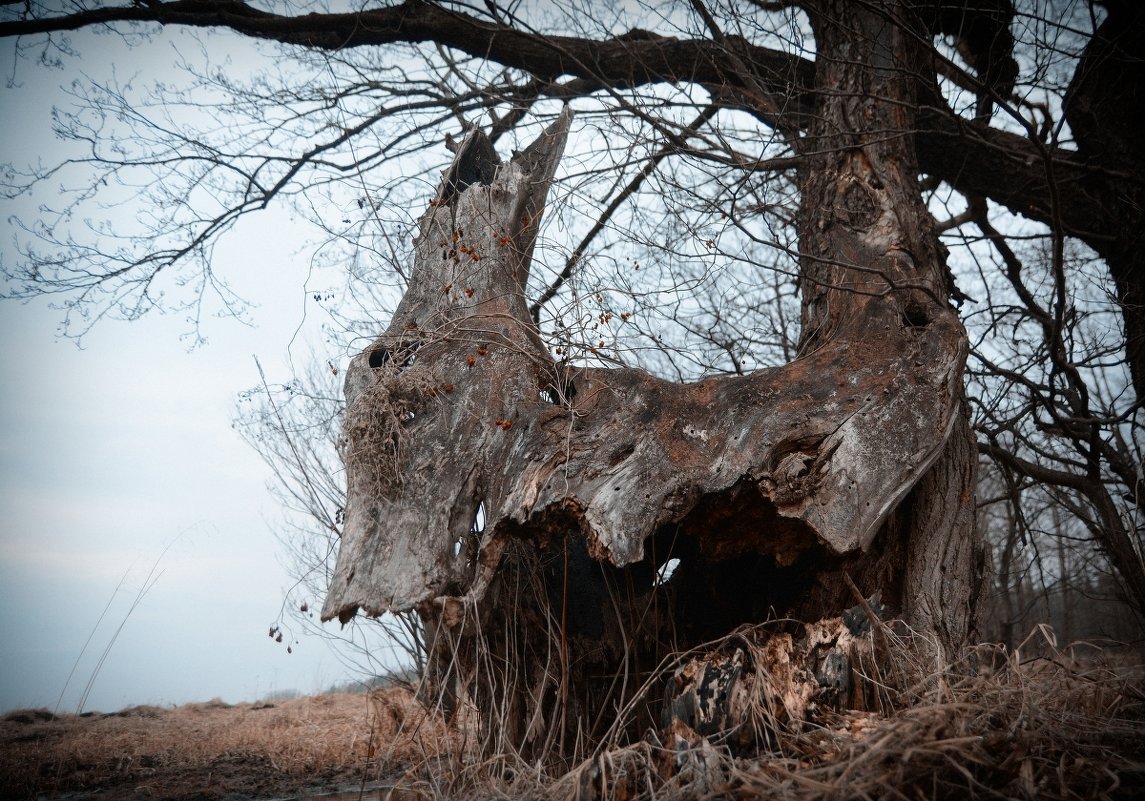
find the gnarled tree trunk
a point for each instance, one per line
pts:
(763, 491)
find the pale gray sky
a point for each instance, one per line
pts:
(111, 454)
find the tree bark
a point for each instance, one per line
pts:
(768, 488)
(872, 260)
(1105, 108)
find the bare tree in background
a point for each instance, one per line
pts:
(295, 428)
(748, 190)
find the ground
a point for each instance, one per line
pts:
(213, 750)
(1028, 723)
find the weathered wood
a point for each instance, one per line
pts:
(459, 405)
(763, 680)
(767, 487)
(820, 450)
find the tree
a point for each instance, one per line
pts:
(839, 450)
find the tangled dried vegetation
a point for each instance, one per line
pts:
(1037, 723)
(376, 424)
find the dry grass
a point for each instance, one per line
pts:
(1032, 725)
(213, 750)
(994, 726)
(374, 436)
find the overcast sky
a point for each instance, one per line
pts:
(120, 457)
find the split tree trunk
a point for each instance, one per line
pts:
(855, 459)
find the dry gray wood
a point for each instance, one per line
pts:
(459, 405)
(854, 459)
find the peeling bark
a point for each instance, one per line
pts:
(766, 488)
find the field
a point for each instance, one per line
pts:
(1047, 726)
(213, 750)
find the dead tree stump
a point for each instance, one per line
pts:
(767, 489)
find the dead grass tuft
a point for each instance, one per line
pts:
(28, 716)
(376, 421)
